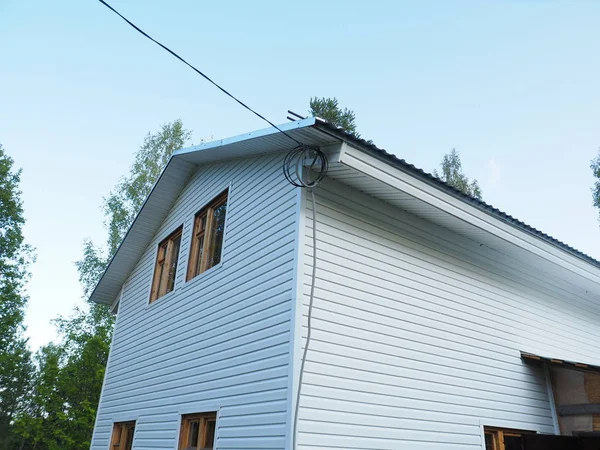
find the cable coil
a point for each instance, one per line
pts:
(313, 159)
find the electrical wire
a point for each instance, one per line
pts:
(206, 77)
(293, 169)
(295, 162)
(309, 317)
(299, 167)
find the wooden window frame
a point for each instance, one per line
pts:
(198, 264)
(204, 419)
(498, 435)
(118, 440)
(162, 283)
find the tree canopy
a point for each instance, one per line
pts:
(453, 175)
(595, 166)
(15, 257)
(61, 407)
(329, 110)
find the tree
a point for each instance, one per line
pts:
(15, 257)
(42, 425)
(452, 174)
(69, 380)
(127, 198)
(329, 110)
(595, 166)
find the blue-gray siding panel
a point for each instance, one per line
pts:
(221, 340)
(417, 332)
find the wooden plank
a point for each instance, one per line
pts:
(596, 422)
(579, 409)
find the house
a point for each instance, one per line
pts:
(437, 321)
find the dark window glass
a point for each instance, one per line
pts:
(210, 433)
(489, 441)
(513, 442)
(130, 432)
(194, 433)
(218, 230)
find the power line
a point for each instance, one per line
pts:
(139, 30)
(295, 177)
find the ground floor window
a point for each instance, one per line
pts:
(198, 431)
(503, 439)
(122, 435)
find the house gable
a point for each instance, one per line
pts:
(220, 341)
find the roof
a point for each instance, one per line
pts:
(415, 171)
(310, 131)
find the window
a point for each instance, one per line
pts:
(502, 439)
(207, 240)
(198, 431)
(122, 436)
(166, 265)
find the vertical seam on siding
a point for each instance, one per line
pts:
(295, 341)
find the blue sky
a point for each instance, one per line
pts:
(512, 85)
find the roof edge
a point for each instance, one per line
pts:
(304, 123)
(428, 178)
(362, 145)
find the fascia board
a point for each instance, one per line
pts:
(369, 165)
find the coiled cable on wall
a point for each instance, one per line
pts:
(306, 167)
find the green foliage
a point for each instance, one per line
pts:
(595, 166)
(90, 267)
(452, 174)
(129, 194)
(15, 256)
(329, 110)
(68, 382)
(43, 424)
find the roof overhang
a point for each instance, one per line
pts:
(419, 194)
(363, 166)
(530, 357)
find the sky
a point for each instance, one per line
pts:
(513, 85)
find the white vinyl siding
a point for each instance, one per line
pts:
(220, 341)
(417, 332)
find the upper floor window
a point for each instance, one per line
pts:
(198, 431)
(165, 269)
(122, 435)
(207, 237)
